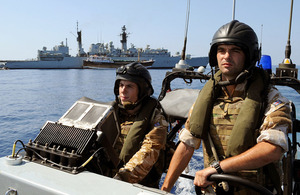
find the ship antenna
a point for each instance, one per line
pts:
(261, 37)
(77, 26)
(260, 46)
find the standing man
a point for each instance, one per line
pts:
(143, 127)
(239, 114)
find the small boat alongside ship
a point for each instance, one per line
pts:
(99, 62)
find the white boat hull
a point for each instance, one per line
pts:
(33, 178)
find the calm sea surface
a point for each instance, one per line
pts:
(31, 97)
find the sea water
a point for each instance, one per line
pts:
(29, 98)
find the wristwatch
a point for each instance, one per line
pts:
(217, 166)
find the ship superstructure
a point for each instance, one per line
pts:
(161, 56)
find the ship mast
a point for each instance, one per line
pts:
(123, 40)
(80, 49)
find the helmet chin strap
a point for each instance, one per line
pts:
(239, 79)
(130, 105)
(127, 105)
(244, 75)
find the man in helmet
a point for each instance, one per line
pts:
(143, 127)
(241, 120)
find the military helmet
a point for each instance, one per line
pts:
(137, 73)
(236, 33)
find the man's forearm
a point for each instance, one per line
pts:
(179, 161)
(258, 156)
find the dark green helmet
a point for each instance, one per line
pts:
(236, 33)
(137, 73)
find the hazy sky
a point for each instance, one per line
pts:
(27, 26)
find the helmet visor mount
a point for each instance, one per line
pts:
(124, 70)
(137, 73)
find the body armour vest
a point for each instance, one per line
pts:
(231, 122)
(133, 130)
(224, 115)
(242, 136)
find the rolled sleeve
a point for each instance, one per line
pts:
(277, 122)
(186, 137)
(275, 137)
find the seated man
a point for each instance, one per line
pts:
(237, 113)
(143, 127)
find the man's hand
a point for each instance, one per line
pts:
(201, 177)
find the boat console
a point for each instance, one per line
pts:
(88, 129)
